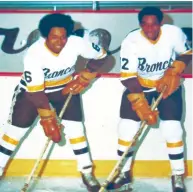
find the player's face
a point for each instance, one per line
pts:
(150, 26)
(57, 39)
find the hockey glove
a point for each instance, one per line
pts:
(80, 83)
(50, 124)
(171, 78)
(141, 107)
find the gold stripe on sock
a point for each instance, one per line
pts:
(124, 143)
(78, 140)
(10, 140)
(178, 144)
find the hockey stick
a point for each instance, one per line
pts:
(119, 165)
(26, 185)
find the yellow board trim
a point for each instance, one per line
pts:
(68, 168)
(77, 140)
(10, 140)
(178, 144)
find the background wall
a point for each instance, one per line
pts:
(118, 24)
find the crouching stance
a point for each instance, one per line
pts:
(49, 64)
(152, 57)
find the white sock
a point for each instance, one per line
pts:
(127, 129)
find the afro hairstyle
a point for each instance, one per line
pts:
(55, 20)
(150, 11)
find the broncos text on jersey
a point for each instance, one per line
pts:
(147, 59)
(49, 72)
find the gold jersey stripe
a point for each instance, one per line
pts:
(172, 145)
(59, 82)
(77, 140)
(49, 84)
(147, 82)
(10, 140)
(144, 82)
(123, 74)
(35, 88)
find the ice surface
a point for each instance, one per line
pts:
(63, 184)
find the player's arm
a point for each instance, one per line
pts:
(181, 47)
(97, 56)
(95, 52)
(172, 75)
(129, 66)
(183, 51)
(34, 79)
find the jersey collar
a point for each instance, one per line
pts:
(55, 54)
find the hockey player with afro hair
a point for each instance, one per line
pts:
(49, 66)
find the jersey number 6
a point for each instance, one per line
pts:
(124, 63)
(96, 47)
(27, 76)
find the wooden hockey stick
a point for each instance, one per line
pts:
(26, 185)
(119, 165)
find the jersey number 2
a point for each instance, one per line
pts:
(124, 61)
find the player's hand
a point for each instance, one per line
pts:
(171, 79)
(50, 124)
(141, 107)
(80, 83)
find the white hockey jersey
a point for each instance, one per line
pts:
(49, 72)
(147, 59)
